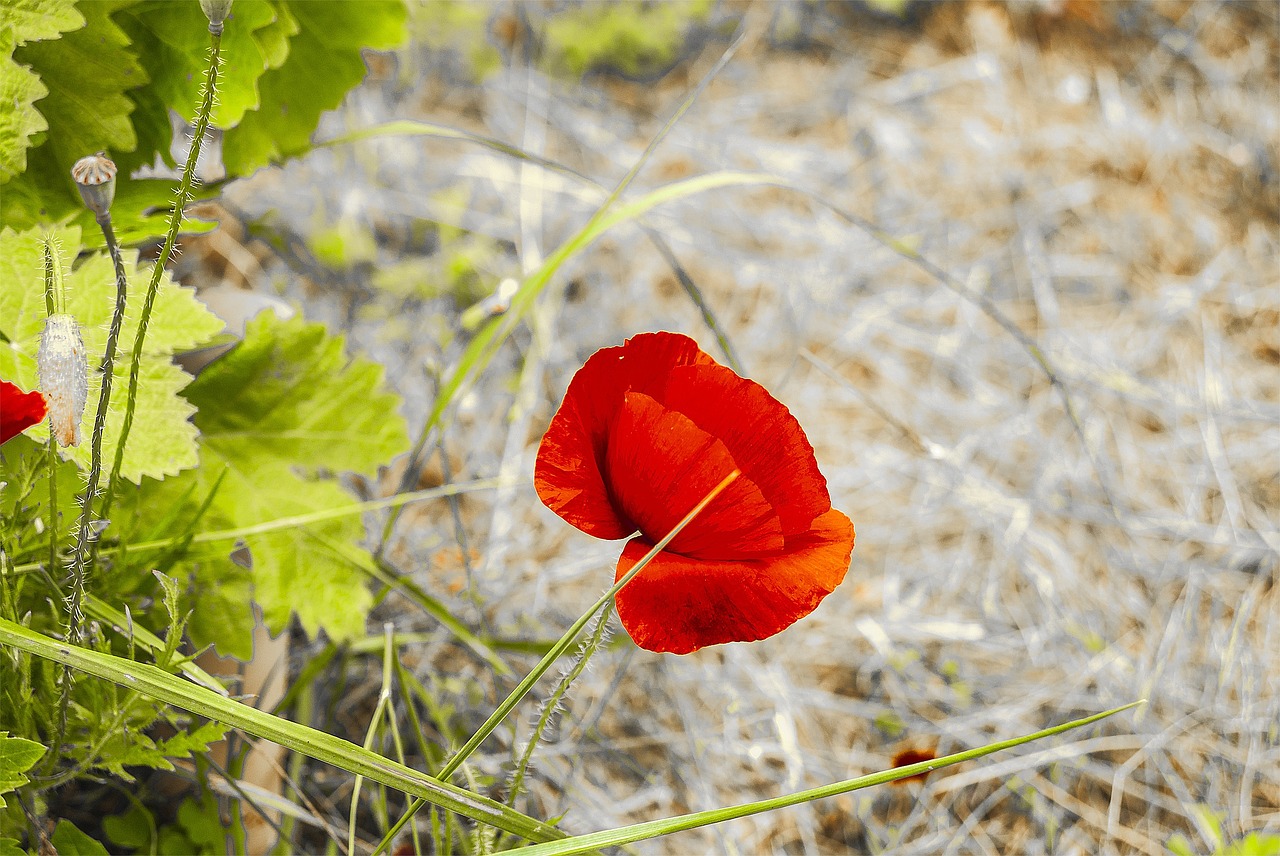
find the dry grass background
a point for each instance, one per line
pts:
(1105, 175)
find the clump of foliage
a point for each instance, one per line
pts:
(256, 440)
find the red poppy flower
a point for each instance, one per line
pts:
(645, 432)
(18, 410)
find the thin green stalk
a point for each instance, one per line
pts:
(53, 293)
(384, 699)
(522, 689)
(185, 190)
(552, 702)
(294, 520)
(654, 828)
(85, 536)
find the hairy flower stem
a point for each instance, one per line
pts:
(52, 297)
(552, 703)
(185, 191)
(85, 536)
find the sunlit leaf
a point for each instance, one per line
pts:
(17, 756)
(324, 62)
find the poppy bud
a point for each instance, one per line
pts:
(95, 176)
(64, 376)
(216, 11)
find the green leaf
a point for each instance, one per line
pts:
(68, 840)
(25, 498)
(17, 756)
(87, 72)
(284, 401)
(162, 441)
(34, 20)
(221, 592)
(9, 846)
(172, 40)
(202, 823)
(133, 829)
(183, 744)
(19, 87)
(323, 63)
(24, 21)
(273, 39)
(289, 395)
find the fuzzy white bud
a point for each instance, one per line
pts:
(64, 376)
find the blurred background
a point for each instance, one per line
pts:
(1026, 304)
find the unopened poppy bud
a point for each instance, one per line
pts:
(95, 175)
(64, 376)
(216, 11)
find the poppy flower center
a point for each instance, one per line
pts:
(660, 464)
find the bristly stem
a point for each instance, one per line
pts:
(599, 633)
(185, 190)
(52, 298)
(85, 535)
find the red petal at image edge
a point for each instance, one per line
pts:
(567, 474)
(19, 410)
(678, 605)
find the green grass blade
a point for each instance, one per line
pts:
(653, 829)
(485, 345)
(102, 611)
(154, 683)
(280, 523)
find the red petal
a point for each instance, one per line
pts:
(568, 472)
(660, 465)
(763, 437)
(678, 604)
(18, 410)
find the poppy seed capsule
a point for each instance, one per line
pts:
(216, 11)
(64, 376)
(95, 176)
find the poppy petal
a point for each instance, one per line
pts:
(19, 410)
(660, 465)
(679, 604)
(761, 434)
(568, 473)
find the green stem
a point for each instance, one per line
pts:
(552, 702)
(84, 535)
(185, 192)
(652, 829)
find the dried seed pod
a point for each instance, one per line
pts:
(64, 376)
(95, 176)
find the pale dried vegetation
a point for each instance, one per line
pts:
(1106, 176)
